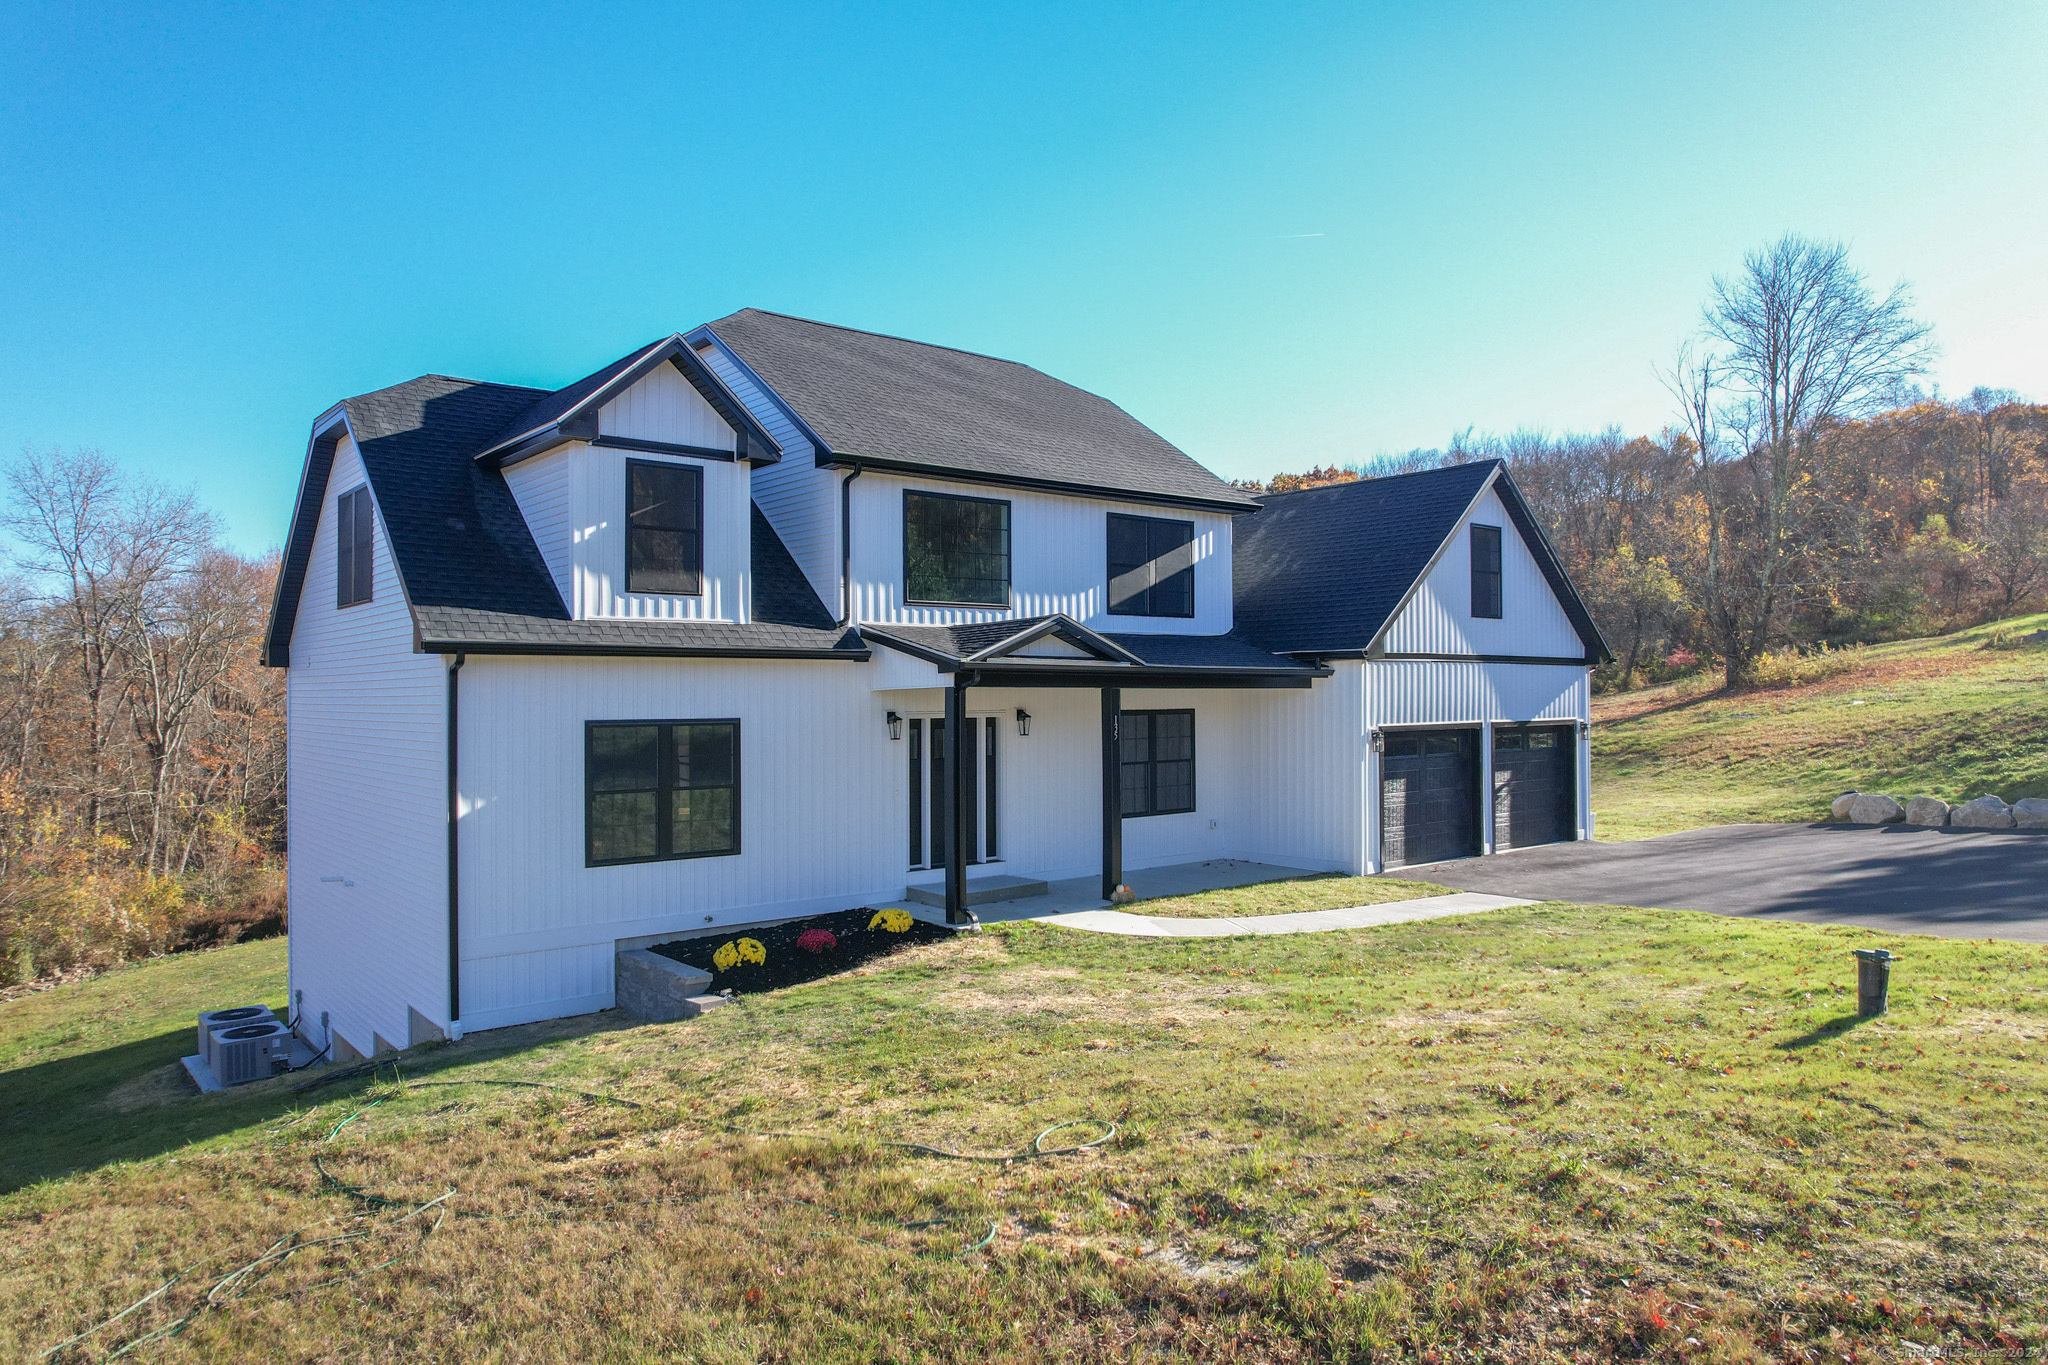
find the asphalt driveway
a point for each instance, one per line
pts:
(1905, 879)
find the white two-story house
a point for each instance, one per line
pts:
(774, 618)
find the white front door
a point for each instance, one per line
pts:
(927, 785)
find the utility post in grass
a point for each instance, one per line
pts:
(1790, 345)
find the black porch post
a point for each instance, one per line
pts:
(958, 837)
(1112, 793)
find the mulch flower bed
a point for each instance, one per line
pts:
(801, 950)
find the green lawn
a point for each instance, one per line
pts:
(1944, 716)
(1553, 1132)
(1332, 892)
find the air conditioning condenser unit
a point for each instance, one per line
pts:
(251, 1052)
(213, 1020)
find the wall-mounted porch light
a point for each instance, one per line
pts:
(1379, 741)
(1585, 729)
(895, 725)
(1023, 721)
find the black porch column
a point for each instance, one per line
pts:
(1112, 793)
(957, 798)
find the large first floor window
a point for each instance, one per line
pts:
(660, 789)
(664, 528)
(1156, 750)
(956, 550)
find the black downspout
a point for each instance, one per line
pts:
(846, 546)
(1112, 793)
(958, 837)
(454, 855)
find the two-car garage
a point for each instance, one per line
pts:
(1430, 784)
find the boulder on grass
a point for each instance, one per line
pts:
(2030, 812)
(1875, 808)
(1927, 810)
(1841, 804)
(1986, 812)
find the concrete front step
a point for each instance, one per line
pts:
(980, 891)
(660, 989)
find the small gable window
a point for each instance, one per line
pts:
(956, 550)
(355, 520)
(1151, 566)
(1486, 572)
(664, 528)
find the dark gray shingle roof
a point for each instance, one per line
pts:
(1204, 652)
(1323, 570)
(449, 629)
(461, 546)
(916, 407)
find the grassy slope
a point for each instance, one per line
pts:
(1528, 1133)
(1941, 716)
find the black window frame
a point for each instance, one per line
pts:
(1151, 764)
(1486, 593)
(1149, 598)
(910, 599)
(355, 547)
(664, 791)
(695, 475)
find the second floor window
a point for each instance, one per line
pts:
(355, 562)
(1151, 566)
(1486, 572)
(664, 528)
(956, 550)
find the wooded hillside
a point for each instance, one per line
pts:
(1804, 497)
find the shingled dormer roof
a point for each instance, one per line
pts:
(886, 403)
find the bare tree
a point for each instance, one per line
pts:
(1800, 344)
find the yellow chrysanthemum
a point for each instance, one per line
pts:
(895, 921)
(726, 958)
(752, 951)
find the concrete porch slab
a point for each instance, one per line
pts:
(1305, 922)
(980, 891)
(1073, 894)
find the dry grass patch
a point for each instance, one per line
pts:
(1627, 1129)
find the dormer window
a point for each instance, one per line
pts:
(1486, 572)
(956, 551)
(1151, 566)
(664, 528)
(355, 519)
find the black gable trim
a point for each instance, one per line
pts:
(298, 551)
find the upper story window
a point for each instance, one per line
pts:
(354, 556)
(1486, 571)
(1151, 566)
(956, 551)
(664, 528)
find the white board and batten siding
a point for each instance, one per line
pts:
(1059, 559)
(365, 811)
(1438, 618)
(540, 927)
(800, 500)
(574, 500)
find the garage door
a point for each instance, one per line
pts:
(1533, 786)
(1429, 796)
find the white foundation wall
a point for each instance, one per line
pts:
(365, 813)
(539, 927)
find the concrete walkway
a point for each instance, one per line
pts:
(1305, 922)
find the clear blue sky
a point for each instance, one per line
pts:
(1278, 234)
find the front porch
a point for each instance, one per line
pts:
(1075, 894)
